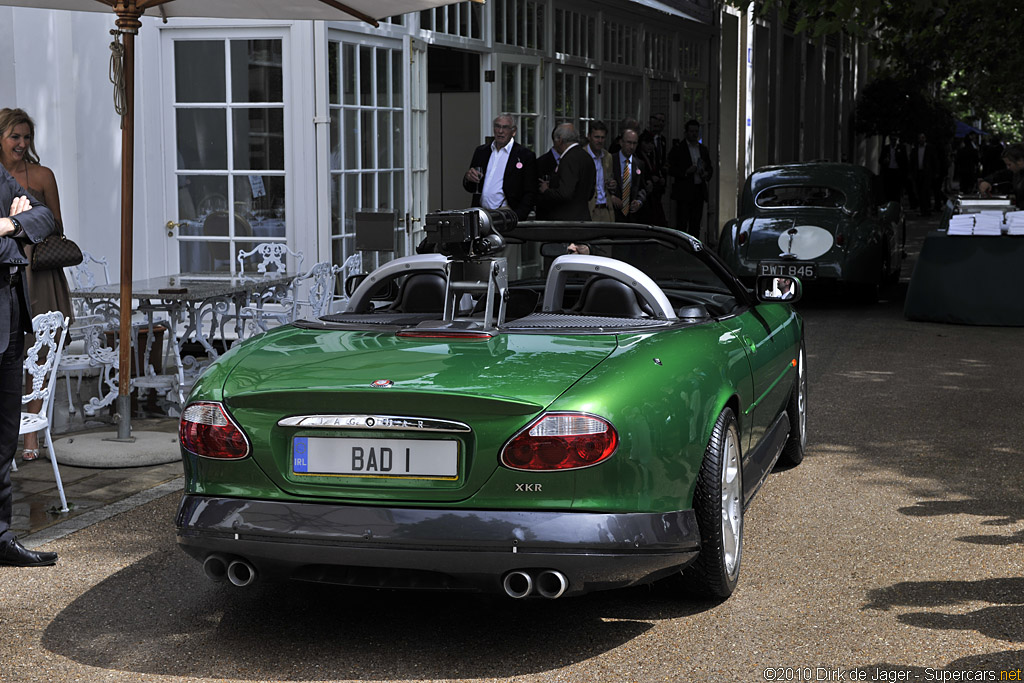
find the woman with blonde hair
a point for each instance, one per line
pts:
(48, 289)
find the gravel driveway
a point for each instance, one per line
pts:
(894, 552)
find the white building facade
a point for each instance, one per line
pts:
(249, 132)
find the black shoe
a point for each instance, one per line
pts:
(14, 554)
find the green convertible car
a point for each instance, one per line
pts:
(541, 409)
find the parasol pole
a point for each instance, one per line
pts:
(128, 25)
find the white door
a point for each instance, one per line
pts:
(416, 151)
(226, 136)
(368, 140)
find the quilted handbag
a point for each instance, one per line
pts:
(56, 251)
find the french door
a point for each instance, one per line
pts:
(377, 111)
(227, 184)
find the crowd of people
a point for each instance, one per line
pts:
(590, 179)
(927, 173)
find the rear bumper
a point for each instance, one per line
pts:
(436, 548)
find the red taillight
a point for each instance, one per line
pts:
(561, 441)
(840, 240)
(742, 237)
(207, 430)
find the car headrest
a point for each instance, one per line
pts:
(421, 293)
(605, 296)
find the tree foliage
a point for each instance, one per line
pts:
(957, 52)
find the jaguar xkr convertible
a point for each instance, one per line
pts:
(542, 409)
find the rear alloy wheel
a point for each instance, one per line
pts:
(793, 451)
(718, 504)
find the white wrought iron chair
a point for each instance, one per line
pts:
(50, 331)
(268, 255)
(97, 358)
(273, 303)
(85, 352)
(319, 286)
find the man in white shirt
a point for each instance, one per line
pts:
(503, 174)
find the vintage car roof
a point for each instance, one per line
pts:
(854, 181)
(816, 172)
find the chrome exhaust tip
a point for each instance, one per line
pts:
(215, 567)
(552, 584)
(518, 584)
(241, 573)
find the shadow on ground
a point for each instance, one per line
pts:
(181, 624)
(1002, 619)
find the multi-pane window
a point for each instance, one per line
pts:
(694, 103)
(230, 146)
(520, 22)
(657, 51)
(621, 100)
(575, 98)
(620, 42)
(367, 122)
(575, 34)
(464, 19)
(691, 58)
(519, 88)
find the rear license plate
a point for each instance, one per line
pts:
(800, 269)
(407, 458)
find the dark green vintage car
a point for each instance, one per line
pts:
(502, 416)
(816, 221)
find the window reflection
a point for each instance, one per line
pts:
(199, 71)
(256, 74)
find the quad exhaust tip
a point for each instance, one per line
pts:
(237, 570)
(241, 573)
(549, 584)
(215, 567)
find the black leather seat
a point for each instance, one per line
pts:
(421, 293)
(521, 302)
(605, 296)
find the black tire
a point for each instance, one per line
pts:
(796, 409)
(718, 504)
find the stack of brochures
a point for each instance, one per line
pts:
(988, 223)
(961, 224)
(1015, 223)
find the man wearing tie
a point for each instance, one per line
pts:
(628, 200)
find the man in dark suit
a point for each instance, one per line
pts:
(503, 174)
(569, 192)
(23, 221)
(893, 162)
(631, 175)
(659, 157)
(924, 164)
(546, 165)
(691, 168)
